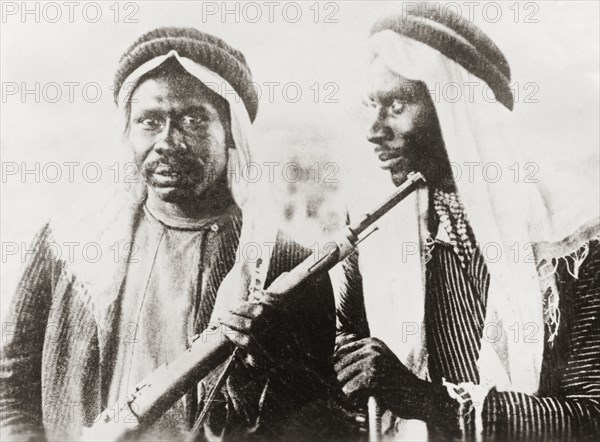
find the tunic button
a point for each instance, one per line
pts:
(214, 227)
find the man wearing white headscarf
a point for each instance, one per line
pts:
(466, 341)
(86, 332)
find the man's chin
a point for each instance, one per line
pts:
(172, 194)
(400, 176)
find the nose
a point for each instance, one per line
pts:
(379, 132)
(171, 138)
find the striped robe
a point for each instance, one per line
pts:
(567, 404)
(56, 360)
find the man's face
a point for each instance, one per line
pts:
(178, 130)
(403, 125)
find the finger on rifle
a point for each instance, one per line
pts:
(236, 322)
(271, 299)
(263, 297)
(248, 310)
(351, 347)
(344, 339)
(347, 373)
(239, 338)
(362, 354)
(357, 388)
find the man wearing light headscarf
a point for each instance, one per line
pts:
(468, 342)
(85, 333)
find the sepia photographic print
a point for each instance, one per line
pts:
(300, 221)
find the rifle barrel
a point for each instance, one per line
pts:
(414, 180)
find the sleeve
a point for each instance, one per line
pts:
(574, 411)
(351, 316)
(23, 331)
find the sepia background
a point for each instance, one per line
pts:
(310, 69)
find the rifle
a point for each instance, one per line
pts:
(156, 393)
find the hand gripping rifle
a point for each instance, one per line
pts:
(156, 393)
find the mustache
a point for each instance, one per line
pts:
(412, 145)
(385, 151)
(180, 162)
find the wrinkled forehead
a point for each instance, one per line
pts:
(173, 86)
(384, 84)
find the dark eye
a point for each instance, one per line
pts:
(397, 107)
(192, 120)
(152, 123)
